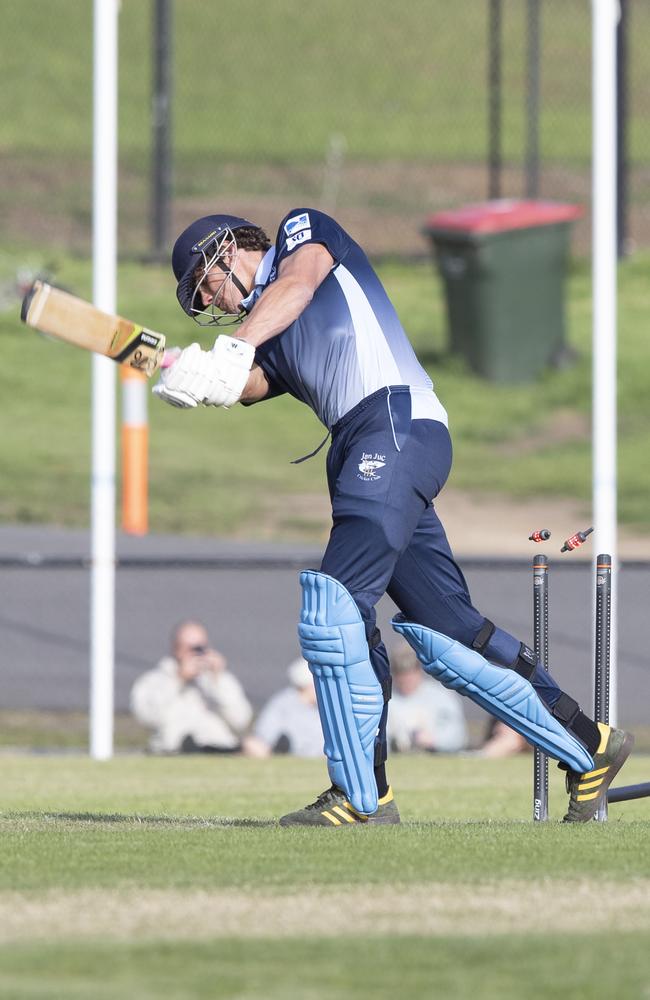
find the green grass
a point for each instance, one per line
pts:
(305, 82)
(585, 965)
(174, 792)
(325, 60)
(423, 102)
(146, 877)
(46, 731)
(424, 98)
(232, 469)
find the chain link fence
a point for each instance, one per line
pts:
(376, 113)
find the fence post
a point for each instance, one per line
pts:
(532, 99)
(161, 164)
(494, 99)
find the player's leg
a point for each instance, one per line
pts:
(430, 590)
(378, 483)
(351, 704)
(429, 587)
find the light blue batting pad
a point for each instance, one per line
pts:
(350, 699)
(501, 691)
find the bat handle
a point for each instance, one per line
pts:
(170, 357)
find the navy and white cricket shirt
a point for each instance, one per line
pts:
(348, 342)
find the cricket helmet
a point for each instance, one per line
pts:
(199, 243)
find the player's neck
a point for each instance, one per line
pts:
(248, 262)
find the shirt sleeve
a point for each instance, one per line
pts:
(152, 695)
(308, 225)
(299, 227)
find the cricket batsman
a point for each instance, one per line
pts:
(313, 320)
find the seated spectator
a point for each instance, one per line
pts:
(422, 714)
(502, 741)
(289, 722)
(190, 701)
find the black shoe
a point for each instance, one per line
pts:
(589, 791)
(333, 809)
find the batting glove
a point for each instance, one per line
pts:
(214, 378)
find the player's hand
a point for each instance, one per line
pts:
(183, 383)
(233, 359)
(214, 378)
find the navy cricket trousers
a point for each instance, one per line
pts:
(383, 471)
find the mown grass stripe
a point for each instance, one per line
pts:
(437, 908)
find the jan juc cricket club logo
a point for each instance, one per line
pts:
(368, 466)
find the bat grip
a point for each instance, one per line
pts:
(170, 357)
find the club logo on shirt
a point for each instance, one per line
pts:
(368, 466)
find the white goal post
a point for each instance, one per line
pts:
(102, 582)
(605, 16)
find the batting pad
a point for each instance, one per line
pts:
(500, 691)
(350, 700)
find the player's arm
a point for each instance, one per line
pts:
(257, 386)
(227, 375)
(279, 305)
(221, 377)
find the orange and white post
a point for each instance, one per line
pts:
(135, 452)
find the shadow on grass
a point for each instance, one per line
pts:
(223, 822)
(136, 820)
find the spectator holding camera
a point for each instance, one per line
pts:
(190, 701)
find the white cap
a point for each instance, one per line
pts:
(299, 673)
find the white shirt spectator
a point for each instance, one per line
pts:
(190, 700)
(289, 722)
(422, 714)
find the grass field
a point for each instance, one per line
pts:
(144, 877)
(420, 109)
(412, 126)
(325, 61)
(425, 98)
(232, 469)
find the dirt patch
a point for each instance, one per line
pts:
(497, 526)
(478, 525)
(436, 909)
(384, 204)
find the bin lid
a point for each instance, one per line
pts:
(502, 214)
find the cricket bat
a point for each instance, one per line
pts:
(62, 315)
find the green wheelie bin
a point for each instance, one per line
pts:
(503, 264)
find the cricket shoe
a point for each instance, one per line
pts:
(589, 791)
(333, 809)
